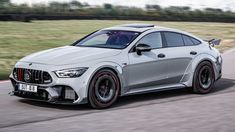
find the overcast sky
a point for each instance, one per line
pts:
(223, 4)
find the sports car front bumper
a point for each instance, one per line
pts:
(58, 94)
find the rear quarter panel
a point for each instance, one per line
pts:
(206, 53)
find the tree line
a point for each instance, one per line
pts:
(79, 10)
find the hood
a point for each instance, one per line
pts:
(69, 55)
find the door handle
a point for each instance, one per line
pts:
(193, 52)
(161, 55)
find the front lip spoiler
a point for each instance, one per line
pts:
(51, 101)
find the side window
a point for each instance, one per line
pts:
(173, 39)
(187, 40)
(195, 41)
(153, 39)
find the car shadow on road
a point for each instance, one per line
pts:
(223, 85)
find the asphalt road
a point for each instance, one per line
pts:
(175, 110)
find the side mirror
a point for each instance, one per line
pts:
(142, 48)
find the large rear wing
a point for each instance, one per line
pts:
(214, 42)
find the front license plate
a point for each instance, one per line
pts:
(28, 88)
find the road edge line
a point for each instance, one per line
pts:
(4, 81)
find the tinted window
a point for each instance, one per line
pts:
(195, 41)
(153, 39)
(173, 39)
(108, 39)
(187, 40)
(99, 39)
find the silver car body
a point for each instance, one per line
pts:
(137, 73)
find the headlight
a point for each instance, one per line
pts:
(219, 60)
(71, 73)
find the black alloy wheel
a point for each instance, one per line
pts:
(204, 78)
(104, 89)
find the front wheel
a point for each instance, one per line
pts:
(204, 78)
(104, 89)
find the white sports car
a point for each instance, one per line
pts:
(117, 61)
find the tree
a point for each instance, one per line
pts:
(153, 7)
(4, 3)
(213, 10)
(75, 4)
(108, 6)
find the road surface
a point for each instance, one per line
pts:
(168, 111)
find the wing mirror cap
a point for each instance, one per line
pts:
(142, 48)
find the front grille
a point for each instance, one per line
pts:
(32, 76)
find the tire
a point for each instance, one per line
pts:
(204, 78)
(103, 89)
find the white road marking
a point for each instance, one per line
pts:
(4, 81)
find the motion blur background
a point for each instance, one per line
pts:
(27, 26)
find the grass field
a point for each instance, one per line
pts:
(18, 39)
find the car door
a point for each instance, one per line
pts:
(148, 69)
(180, 52)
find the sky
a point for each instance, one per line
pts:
(222, 4)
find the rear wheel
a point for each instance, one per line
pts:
(204, 78)
(103, 89)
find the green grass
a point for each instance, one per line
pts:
(18, 39)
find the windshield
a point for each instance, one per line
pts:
(108, 39)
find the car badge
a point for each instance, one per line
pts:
(27, 76)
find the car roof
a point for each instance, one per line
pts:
(142, 27)
(136, 27)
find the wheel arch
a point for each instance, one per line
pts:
(197, 85)
(117, 69)
(196, 61)
(205, 60)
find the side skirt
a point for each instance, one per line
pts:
(154, 89)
